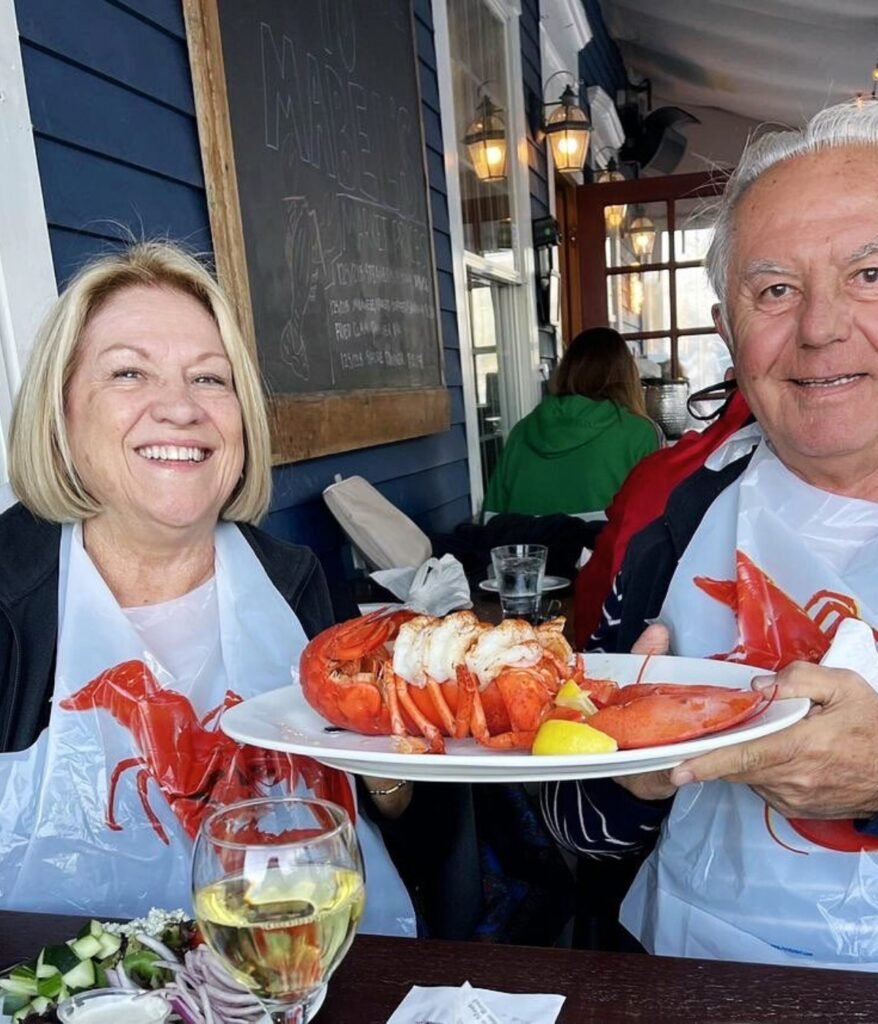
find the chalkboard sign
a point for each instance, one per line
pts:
(310, 125)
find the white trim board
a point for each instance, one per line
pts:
(523, 366)
(27, 275)
(455, 230)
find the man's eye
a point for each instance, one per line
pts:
(869, 275)
(776, 291)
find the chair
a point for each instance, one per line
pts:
(385, 536)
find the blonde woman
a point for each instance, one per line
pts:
(138, 600)
(572, 453)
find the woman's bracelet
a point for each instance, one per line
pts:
(395, 788)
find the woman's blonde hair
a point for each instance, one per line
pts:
(41, 468)
(598, 364)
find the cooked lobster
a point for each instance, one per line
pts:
(407, 675)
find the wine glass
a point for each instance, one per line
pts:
(278, 891)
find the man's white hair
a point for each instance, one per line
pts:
(846, 124)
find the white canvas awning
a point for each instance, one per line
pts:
(737, 63)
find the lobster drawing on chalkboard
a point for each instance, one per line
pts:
(305, 266)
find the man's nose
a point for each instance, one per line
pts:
(825, 316)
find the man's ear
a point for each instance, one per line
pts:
(721, 326)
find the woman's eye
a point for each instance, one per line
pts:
(127, 373)
(210, 378)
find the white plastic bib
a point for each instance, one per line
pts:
(98, 816)
(729, 878)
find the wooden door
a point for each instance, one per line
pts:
(659, 300)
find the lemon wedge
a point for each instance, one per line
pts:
(573, 696)
(557, 736)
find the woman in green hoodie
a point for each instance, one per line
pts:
(573, 451)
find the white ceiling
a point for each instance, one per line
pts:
(736, 63)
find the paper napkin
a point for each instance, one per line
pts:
(468, 1005)
(436, 587)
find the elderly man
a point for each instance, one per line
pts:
(768, 849)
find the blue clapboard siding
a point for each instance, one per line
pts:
(600, 62)
(531, 69)
(111, 102)
(117, 146)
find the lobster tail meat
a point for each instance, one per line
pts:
(450, 639)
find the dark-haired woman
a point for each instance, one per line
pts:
(572, 453)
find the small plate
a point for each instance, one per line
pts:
(283, 720)
(550, 583)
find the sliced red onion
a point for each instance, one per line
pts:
(183, 1012)
(205, 1006)
(210, 994)
(227, 996)
(122, 978)
(186, 1000)
(167, 965)
(156, 946)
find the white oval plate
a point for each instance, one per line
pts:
(549, 583)
(283, 720)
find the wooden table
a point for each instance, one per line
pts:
(601, 988)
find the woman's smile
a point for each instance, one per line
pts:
(174, 456)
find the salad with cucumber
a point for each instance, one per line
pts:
(162, 952)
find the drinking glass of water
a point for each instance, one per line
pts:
(278, 892)
(519, 571)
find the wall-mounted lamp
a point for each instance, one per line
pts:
(568, 130)
(860, 97)
(486, 140)
(614, 216)
(641, 232)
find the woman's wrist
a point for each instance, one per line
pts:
(388, 790)
(390, 796)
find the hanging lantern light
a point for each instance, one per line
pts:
(486, 140)
(614, 216)
(568, 130)
(641, 232)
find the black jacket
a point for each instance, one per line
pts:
(29, 612)
(651, 559)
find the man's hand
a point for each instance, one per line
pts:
(825, 766)
(650, 785)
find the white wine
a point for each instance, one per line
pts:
(284, 934)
